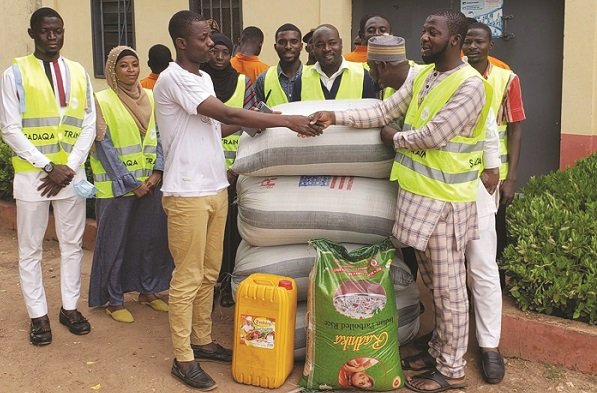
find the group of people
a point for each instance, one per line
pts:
(161, 169)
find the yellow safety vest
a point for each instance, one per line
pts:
(53, 135)
(351, 84)
(499, 79)
(449, 173)
(230, 143)
(137, 155)
(273, 89)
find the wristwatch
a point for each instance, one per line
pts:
(49, 167)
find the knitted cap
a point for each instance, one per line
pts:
(386, 48)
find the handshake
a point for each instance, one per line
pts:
(312, 125)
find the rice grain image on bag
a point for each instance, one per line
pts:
(352, 340)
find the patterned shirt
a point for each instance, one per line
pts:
(417, 215)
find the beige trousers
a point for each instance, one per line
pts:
(195, 238)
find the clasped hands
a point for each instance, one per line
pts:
(57, 179)
(148, 185)
(312, 125)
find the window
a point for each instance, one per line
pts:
(112, 23)
(227, 13)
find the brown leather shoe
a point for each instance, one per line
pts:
(40, 332)
(74, 321)
(193, 375)
(220, 355)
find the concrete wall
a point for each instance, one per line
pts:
(579, 87)
(579, 102)
(306, 14)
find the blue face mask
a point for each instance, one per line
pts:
(84, 189)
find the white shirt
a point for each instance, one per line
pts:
(328, 81)
(193, 154)
(25, 183)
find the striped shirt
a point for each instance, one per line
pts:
(417, 215)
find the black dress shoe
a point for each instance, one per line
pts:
(493, 368)
(226, 299)
(40, 333)
(74, 321)
(220, 355)
(193, 375)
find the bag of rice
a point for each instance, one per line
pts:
(352, 340)
(340, 150)
(273, 211)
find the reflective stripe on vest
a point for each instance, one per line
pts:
(351, 84)
(499, 79)
(230, 143)
(138, 156)
(53, 135)
(273, 89)
(449, 173)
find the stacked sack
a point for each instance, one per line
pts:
(334, 186)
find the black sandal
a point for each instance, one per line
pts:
(435, 376)
(409, 361)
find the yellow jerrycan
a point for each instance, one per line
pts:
(264, 323)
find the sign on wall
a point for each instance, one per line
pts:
(485, 11)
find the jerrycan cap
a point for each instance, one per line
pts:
(285, 284)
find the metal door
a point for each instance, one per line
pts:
(535, 53)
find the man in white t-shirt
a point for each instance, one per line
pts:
(192, 121)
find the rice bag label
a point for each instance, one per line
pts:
(353, 343)
(259, 332)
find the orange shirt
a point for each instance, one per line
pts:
(358, 55)
(251, 66)
(150, 81)
(498, 62)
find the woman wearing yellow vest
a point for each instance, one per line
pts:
(237, 91)
(131, 252)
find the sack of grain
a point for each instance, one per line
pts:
(294, 209)
(340, 150)
(352, 340)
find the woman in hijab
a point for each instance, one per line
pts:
(131, 252)
(235, 90)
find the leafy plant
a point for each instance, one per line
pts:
(551, 258)
(6, 172)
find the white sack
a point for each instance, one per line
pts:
(340, 150)
(295, 209)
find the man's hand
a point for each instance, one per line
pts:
(62, 175)
(387, 135)
(153, 180)
(507, 190)
(141, 191)
(49, 188)
(323, 119)
(303, 125)
(490, 178)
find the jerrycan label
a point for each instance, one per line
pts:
(257, 331)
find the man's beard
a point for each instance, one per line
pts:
(434, 57)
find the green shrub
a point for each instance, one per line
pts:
(6, 172)
(551, 259)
